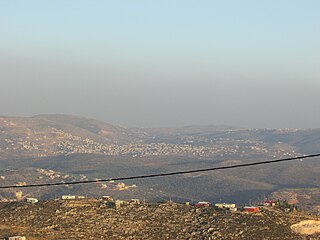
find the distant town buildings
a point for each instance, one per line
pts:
(32, 200)
(16, 238)
(270, 203)
(251, 209)
(202, 204)
(59, 142)
(71, 197)
(227, 206)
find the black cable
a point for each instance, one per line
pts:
(163, 174)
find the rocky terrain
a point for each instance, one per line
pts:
(93, 219)
(307, 197)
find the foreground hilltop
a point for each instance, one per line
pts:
(93, 219)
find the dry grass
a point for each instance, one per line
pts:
(307, 227)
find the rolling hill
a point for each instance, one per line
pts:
(86, 148)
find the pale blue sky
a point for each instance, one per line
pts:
(163, 63)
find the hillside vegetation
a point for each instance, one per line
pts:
(86, 149)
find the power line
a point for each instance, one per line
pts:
(162, 174)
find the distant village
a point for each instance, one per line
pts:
(58, 142)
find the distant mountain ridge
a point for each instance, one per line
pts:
(41, 134)
(97, 130)
(56, 134)
(74, 124)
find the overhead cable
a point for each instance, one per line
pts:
(162, 174)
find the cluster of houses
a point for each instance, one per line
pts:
(32, 200)
(15, 238)
(228, 207)
(72, 197)
(231, 207)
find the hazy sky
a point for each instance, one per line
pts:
(163, 63)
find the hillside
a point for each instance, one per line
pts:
(93, 219)
(84, 148)
(306, 141)
(52, 135)
(46, 135)
(240, 186)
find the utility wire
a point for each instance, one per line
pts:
(162, 174)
